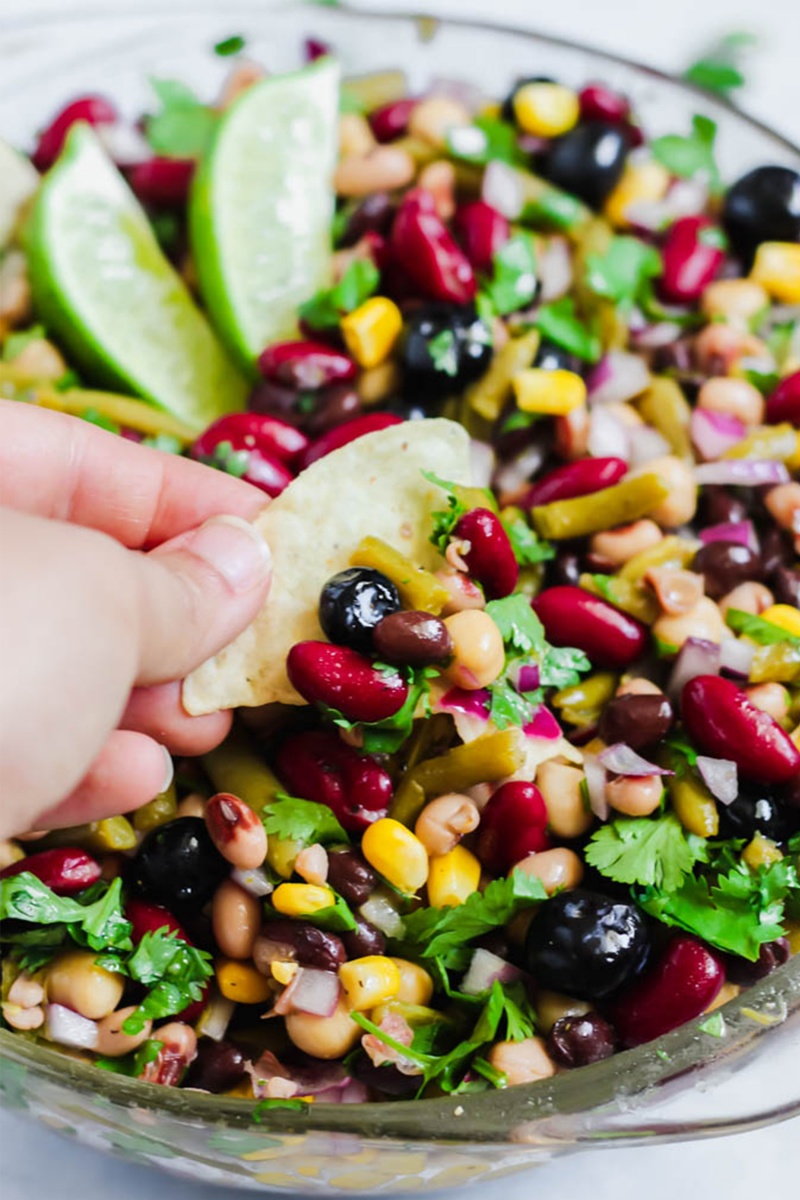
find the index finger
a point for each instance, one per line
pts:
(58, 466)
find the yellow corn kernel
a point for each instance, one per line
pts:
(646, 181)
(368, 981)
(453, 877)
(284, 972)
(371, 331)
(396, 853)
(760, 852)
(553, 393)
(416, 985)
(785, 616)
(301, 899)
(240, 981)
(546, 109)
(777, 268)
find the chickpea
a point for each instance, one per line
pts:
(478, 652)
(619, 545)
(442, 823)
(771, 698)
(324, 1037)
(748, 597)
(639, 687)
(464, 594)
(74, 980)
(112, 1041)
(25, 991)
(439, 178)
(719, 346)
(383, 170)
(737, 300)
(557, 869)
(560, 786)
(677, 591)
(734, 398)
(311, 863)
(235, 919)
(355, 136)
(193, 805)
(681, 504)
(23, 1019)
(703, 621)
(522, 1062)
(432, 118)
(635, 795)
(416, 985)
(783, 505)
(552, 1006)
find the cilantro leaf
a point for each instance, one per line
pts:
(445, 520)
(713, 1025)
(529, 549)
(692, 155)
(183, 127)
(230, 45)
(682, 754)
(618, 274)
(512, 284)
(559, 323)
(133, 1064)
(293, 819)
(654, 852)
(521, 629)
(761, 631)
(554, 209)
(326, 309)
(508, 706)
(487, 139)
(719, 69)
(99, 925)
(175, 972)
(442, 350)
(562, 666)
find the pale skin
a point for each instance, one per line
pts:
(121, 569)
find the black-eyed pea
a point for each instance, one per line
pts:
(748, 597)
(559, 869)
(560, 785)
(355, 136)
(783, 504)
(522, 1062)
(719, 346)
(385, 169)
(635, 795)
(26, 991)
(478, 651)
(75, 980)
(677, 591)
(439, 178)
(442, 823)
(432, 119)
(619, 545)
(552, 1006)
(681, 504)
(236, 919)
(324, 1037)
(703, 621)
(236, 831)
(112, 1041)
(734, 398)
(638, 687)
(735, 300)
(311, 864)
(23, 1019)
(193, 805)
(771, 698)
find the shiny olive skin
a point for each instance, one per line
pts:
(445, 347)
(724, 565)
(588, 161)
(178, 865)
(585, 944)
(353, 602)
(577, 1041)
(641, 721)
(758, 810)
(762, 206)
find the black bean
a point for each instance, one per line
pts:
(776, 550)
(785, 584)
(771, 955)
(364, 939)
(218, 1067)
(414, 639)
(724, 565)
(588, 161)
(719, 506)
(275, 400)
(350, 876)
(564, 569)
(640, 721)
(385, 1079)
(297, 941)
(577, 1041)
(330, 407)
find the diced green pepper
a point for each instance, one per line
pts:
(157, 812)
(778, 442)
(694, 806)
(490, 757)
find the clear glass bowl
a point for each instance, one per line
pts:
(688, 1084)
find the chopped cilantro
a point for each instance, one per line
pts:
(326, 309)
(510, 707)
(183, 127)
(387, 736)
(175, 972)
(292, 1104)
(713, 1025)
(652, 852)
(164, 442)
(445, 521)
(521, 629)
(225, 458)
(512, 284)
(765, 380)
(167, 228)
(132, 1064)
(692, 155)
(553, 209)
(559, 323)
(761, 631)
(230, 45)
(487, 139)
(619, 273)
(95, 417)
(682, 754)
(442, 350)
(719, 69)
(293, 819)
(95, 920)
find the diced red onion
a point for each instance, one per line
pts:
(608, 436)
(652, 337)
(69, 1028)
(720, 776)
(696, 657)
(514, 476)
(310, 991)
(732, 531)
(596, 776)
(485, 969)
(713, 433)
(555, 270)
(687, 197)
(736, 656)
(481, 456)
(216, 1017)
(352, 1092)
(502, 188)
(622, 760)
(467, 140)
(543, 725)
(618, 377)
(381, 913)
(528, 678)
(742, 472)
(646, 444)
(253, 880)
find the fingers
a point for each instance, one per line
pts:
(158, 712)
(54, 465)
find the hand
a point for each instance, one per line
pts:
(118, 576)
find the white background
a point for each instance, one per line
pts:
(36, 1163)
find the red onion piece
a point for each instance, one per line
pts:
(484, 969)
(528, 678)
(543, 725)
(720, 776)
(513, 477)
(713, 433)
(502, 188)
(651, 337)
(216, 1017)
(381, 913)
(645, 444)
(622, 760)
(596, 775)
(69, 1028)
(732, 531)
(618, 377)
(253, 881)
(481, 456)
(736, 656)
(309, 991)
(743, 472)
(696, 657)
(608, 436)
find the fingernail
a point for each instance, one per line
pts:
(170, 770)
(235, 549)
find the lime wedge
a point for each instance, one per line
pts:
(102, 285)
(20, 181)
(261, 207)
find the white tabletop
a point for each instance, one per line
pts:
(37, 1163)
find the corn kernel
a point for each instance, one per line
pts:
(546, 109)
(645, 181)
(760, 852)
(552, 393)
(785, 616)
(396, 853)
(284, 972)
(371, 331)
(368, 981)
(453, 877)
(301, 899)
(416, 985)
(777, 268)
(240, 981)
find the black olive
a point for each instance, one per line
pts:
(585, 944)
(353, 602)
(756, 810)
(178, 865)
(550, 357)
(640, 721)
(762, 206)
(446, 347)
(507, 108)
(588, 161)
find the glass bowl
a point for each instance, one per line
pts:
(688, 1084)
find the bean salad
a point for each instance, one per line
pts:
(540, 804)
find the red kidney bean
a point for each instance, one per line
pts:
(300, 942)
(64, 871)
(724, 565)
(639, 721)
(490, 557)
(572, 617)
(678, 988)
(219, 1066)
(784, 403)
(390, 121)
(351, 876)
(319, 766)
(579, 478)
(333, 406)
(96, 110)
(342, 435)
(691, 256)
(481, 230)
(308, 365)
(771, 955)
(234, 444)
(314, 49)
(723, 723)
(513, 824)
(363, 940)
(252, 431)
(577, 1041)
(414, 639)
(149, 918)
(236, 831)
(426, 251)
(163, 182)
(600, 103)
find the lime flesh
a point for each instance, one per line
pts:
(102, 285)
(261, 207)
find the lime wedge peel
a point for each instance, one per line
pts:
(103, 287)
(261, 207)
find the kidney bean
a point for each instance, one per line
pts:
(65, 870)
(343, 679)
(771, 955)
(724, 724)
(342, 435)
(786, 585)
(233, 444)
(490, 557)
(724, 565)
(721, 507)
(272, 399)
(678, 988)
(639, 721)
(390, 121)
(427, 252)
(784, 403)
(178, 1049)
(374, 214)
(572, 617)
(481, 230)
(236, 831)
(333, 407)
(95, 110)
(351, 876)
(149, 918)
(300, 942)
(581, 1039)
(579, 478)
(253, 431)
(163, 182)
(306, 365)
(319, 766)
(414, 639)
(513, 825)
(218, 1067)
(365, 939)
(599, 103)
(691, 255)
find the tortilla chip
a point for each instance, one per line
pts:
(374, 486)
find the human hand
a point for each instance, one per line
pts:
(118, 576)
